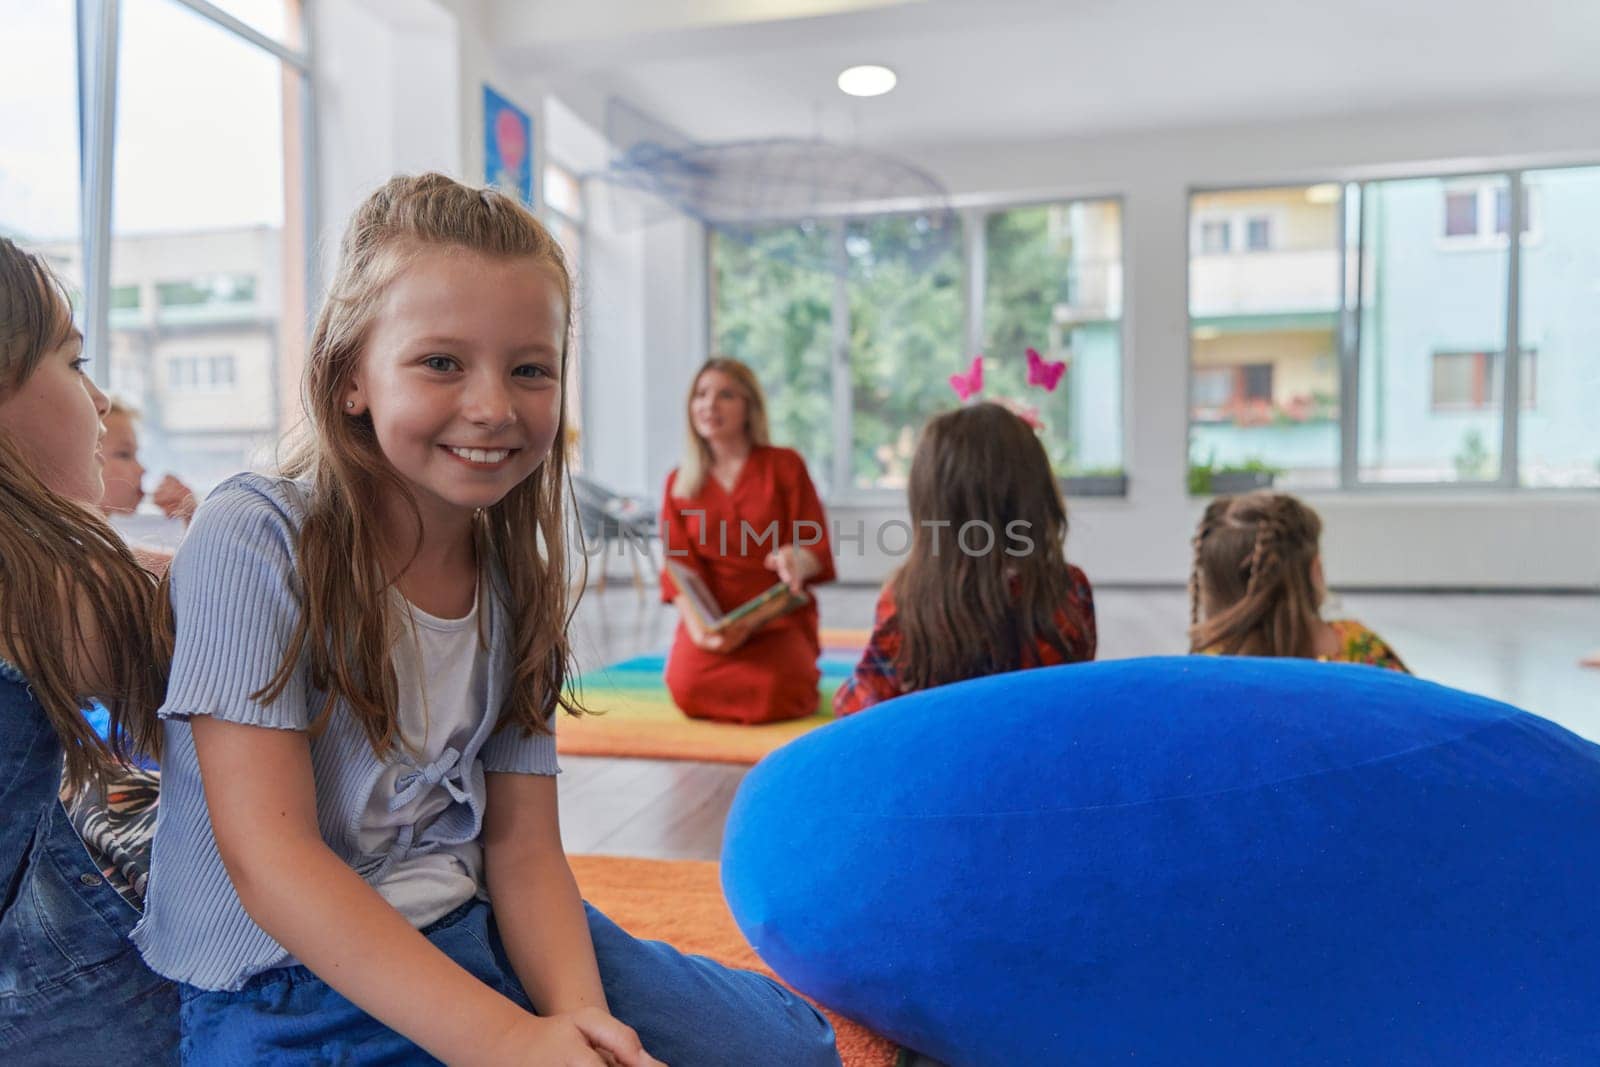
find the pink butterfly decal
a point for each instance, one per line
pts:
(1044, 373)
(966, 385)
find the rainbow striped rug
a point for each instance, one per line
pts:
(639, 720)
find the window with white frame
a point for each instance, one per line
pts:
(1480, 210)
(1367, 352)
(1471, 381)
(1220, 232)
(201, 373)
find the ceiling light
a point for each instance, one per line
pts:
(866, 81)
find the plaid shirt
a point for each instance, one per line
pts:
(875, 679)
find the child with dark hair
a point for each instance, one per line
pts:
(1257, 587)
(987, 588)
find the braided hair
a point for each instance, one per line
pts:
(1251, 590)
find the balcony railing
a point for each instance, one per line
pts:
(1268, 282)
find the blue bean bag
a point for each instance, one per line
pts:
(1185, 861)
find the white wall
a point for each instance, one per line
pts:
(642, 291)
(388, 78)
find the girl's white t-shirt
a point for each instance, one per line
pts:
(442, 670)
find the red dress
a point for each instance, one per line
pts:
(876, 680)
(725, 536)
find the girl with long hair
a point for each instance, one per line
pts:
(358, 856)
(76, 623)
(987, 587)
(1257, 586)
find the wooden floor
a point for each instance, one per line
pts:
(1522, 649)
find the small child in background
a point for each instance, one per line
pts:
(125, 474)
(987, 588)
(1257, 587)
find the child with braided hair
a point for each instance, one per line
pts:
(1256, 588)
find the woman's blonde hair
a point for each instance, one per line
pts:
(1251, 589)
(691, 476)
(967, 615)
(66, 579)
(347, 625)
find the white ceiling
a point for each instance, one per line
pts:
(977, 70)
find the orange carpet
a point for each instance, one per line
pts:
(638, 720)
(680, 902)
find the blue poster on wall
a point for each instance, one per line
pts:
(507, 147)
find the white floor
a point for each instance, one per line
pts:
(1523, 649)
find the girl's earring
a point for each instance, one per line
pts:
(349, 405)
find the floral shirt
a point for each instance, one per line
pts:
(875, 678)
(1357, 644)
(1361, 645)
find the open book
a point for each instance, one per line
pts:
(755, 612)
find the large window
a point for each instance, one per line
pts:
(203, 184)
(906, 307)
(906, 339)
(1559, 319)
(171, 199)
(1365, 346)
(1419, 297)
(1053, 283)
(773, 309)
(39, 160)
(1263, 327)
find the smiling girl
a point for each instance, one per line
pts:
(358, 857)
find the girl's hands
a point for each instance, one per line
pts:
(589, 1037)
(794, 566)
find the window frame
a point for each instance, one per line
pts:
(1485, 381)
(1352, 184)
(1485, 190)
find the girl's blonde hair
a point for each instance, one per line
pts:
(691, 476)
(347, 627)
(1251, 590)
(66, 580)
(968, 615)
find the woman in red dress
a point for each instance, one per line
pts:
(742, 515)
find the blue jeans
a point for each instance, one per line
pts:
(72, 987)
(687, 1010)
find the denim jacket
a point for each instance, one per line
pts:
(72, 987)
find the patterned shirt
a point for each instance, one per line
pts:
(1357, 644)
(1361, 645)
(875, 678)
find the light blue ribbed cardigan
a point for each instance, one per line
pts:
(235, 595)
